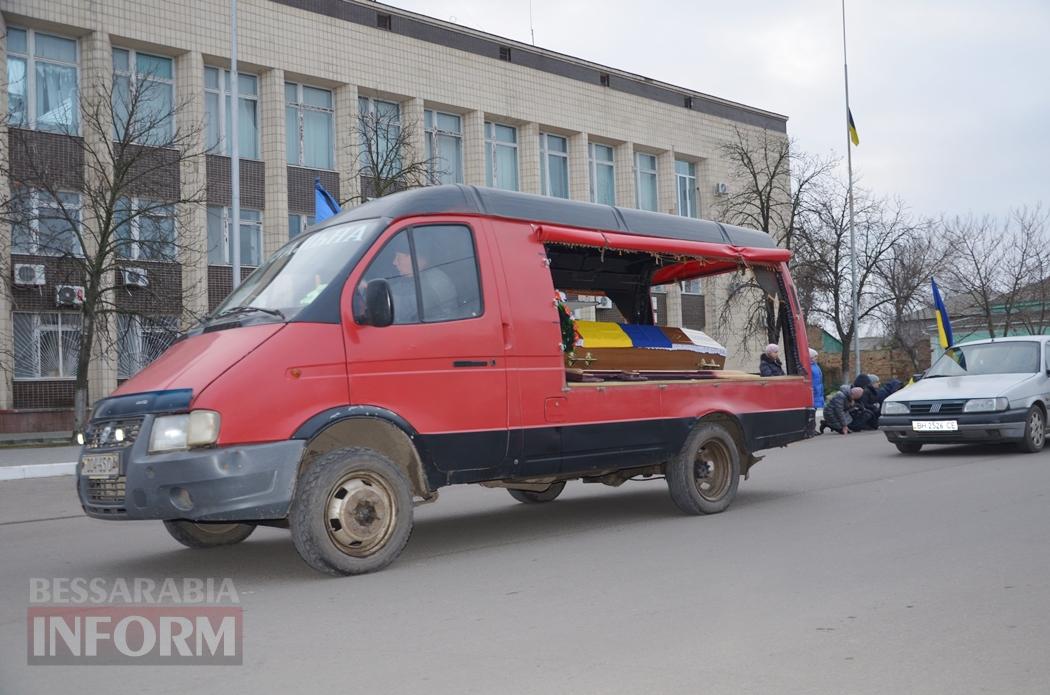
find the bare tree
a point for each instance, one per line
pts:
(114, 202)
(772, 182)
(387, 159)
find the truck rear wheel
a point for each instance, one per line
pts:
(352, 512)
(533, 497)
(703, 478)
(207, 535)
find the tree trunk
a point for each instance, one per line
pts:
(80, 386)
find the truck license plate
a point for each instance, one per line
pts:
(100, 465)
(935, 425)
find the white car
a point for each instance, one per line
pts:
(982, 391)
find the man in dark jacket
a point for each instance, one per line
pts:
(769, 363)
(869, 401)
(842, 410)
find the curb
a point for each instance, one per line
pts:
(39, 470)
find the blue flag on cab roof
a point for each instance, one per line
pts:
(944, 326)
(324, 204)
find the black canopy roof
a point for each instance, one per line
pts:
(475, 200)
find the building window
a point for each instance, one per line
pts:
(444, 143)
(309, 129)
(379, 123)
(692, 287)
(145, 83)
(219, 222)
(645, 169)
(44, 225)
(142, 339)
(554, 165)
(603, 174)
(145, 230)
(685, 179)
(297, 224)
(219, 117)
(42, 77)
(501, 156)
(46, 345)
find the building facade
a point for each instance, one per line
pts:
(490, 111)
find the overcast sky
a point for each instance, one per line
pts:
(951, 97)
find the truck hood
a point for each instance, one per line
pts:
(958, 387)
(195, 362)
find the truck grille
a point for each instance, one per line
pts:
(107, 490)
(103, 434)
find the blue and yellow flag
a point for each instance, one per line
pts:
(853, 136)
(944, 326)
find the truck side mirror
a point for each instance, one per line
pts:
(379, 305)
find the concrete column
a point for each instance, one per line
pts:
(7, 359)
(474, 148)
(96, 77)
(673, 297)
(579, 180)
(346, 144)
(623, 159)
(705, 182)
(275, 160)
(529, 157)
(412, 118)
(192, 215)
(666, 192)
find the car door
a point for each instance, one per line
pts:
(440, 365)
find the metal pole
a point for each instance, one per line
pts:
(852, 235)
(235, 155)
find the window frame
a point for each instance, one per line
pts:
(545, 154)
(302, 221)
(136, 326)
(36, 328)
(592, 169)
(639, 172)
(133, 79)
(301, 107)
(136, 214)
(370, 104)
(227, 221)
(492, 146)
(221, 148)
(35, 195)
(690, 178)
(410, 229)
(31, 59)
(684, 285)
(430, 136)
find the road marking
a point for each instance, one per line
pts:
(38, 470)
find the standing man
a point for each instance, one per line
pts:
(818, 388)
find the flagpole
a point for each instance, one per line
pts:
(235, 154)
(852, 235)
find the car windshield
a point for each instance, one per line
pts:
(1021, 357)
(297, 274)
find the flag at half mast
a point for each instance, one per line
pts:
(854, 138)
(940, 314)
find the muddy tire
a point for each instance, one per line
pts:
(532, 497)
(703, 478)
(1034, 431)
(208, 534)
(352, 512)
(908, 447)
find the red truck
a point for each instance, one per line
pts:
(415, 342)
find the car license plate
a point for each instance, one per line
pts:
(935, 425)
(94, 465)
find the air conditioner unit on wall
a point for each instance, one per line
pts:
(721, 188)
(29, 274)
(69, 295)
(603, 303)
(134, 277)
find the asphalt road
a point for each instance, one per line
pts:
(842, 567)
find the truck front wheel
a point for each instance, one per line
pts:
(352, 512)
(704, 476)
(207, 535)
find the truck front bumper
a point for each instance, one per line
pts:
(238, 483)
(1006, 426)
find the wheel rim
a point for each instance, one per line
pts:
(1036, 428)
(712, 470)
(216, 529)
(360, 513)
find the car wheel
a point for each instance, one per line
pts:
(352, 512)
(533, 497)
(1034, 431)
(207, 535)
(704, 476)
(908, 447)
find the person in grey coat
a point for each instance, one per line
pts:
(839, 411)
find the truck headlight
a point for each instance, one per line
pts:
(175, 432)
(986, 405)
(894, 408)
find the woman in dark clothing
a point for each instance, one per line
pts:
(769, 363)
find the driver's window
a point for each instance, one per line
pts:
(394, 264)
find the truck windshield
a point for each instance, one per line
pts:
(1020, 357)
(297, 274)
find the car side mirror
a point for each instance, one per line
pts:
(379, 305)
